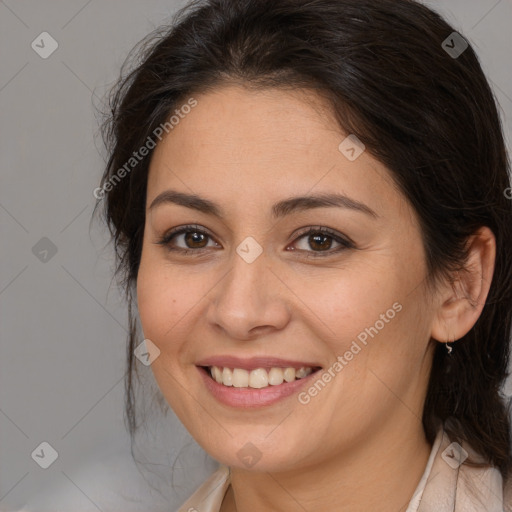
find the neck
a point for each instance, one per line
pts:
(380, 472)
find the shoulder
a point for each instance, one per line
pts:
(209, 495)
(507, 493)
(459, 480)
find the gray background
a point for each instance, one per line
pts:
(62, 321)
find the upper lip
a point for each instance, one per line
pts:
(254, 362)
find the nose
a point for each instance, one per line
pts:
(249, 301)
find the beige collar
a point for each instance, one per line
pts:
(444, 487)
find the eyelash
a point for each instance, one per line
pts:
(345, 242)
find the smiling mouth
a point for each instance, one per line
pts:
(259, 377)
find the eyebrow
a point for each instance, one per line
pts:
(280, 209)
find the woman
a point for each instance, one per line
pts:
(307, 198)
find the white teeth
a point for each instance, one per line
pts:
(217, 374)
(257, 378)
(240, 378)
(275, 376)
(303, 372)
(227, 377)
(289, 374)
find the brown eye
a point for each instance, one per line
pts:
(187, 239)
(319, 242)
(195, 239)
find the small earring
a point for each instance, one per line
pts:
(448, 348)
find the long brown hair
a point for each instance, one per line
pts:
(428, 115)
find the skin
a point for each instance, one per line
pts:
(359, 444)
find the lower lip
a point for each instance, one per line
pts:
(252, 397)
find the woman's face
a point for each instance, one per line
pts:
(256, 291)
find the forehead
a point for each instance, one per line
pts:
(266, 121)
(241, 142)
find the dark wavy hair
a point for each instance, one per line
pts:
(429, 116)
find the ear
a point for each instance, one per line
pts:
(462, 300)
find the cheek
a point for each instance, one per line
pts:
(159, 302)
(168, 299)
(346, 302)
(369, 316)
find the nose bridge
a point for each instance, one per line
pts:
(246, 298)
(242, 282)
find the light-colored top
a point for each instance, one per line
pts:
(446, 485)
